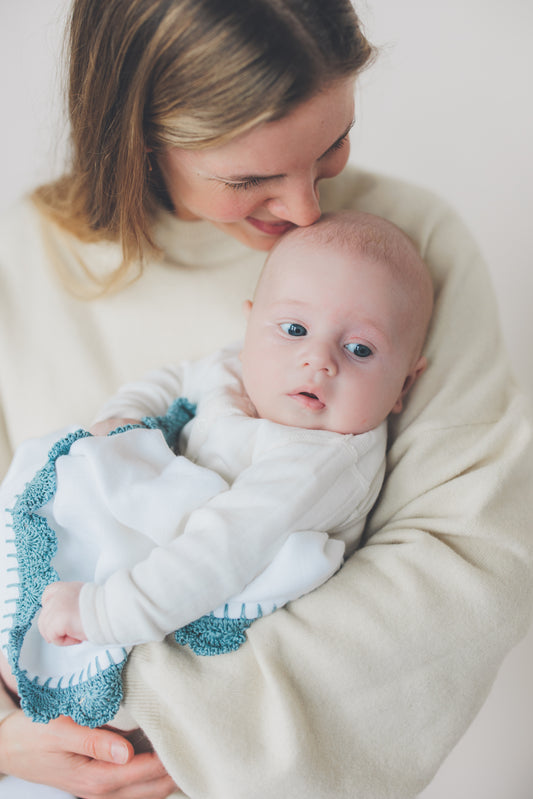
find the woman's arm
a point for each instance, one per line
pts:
(363, 687)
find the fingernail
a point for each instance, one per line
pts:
(119, 753)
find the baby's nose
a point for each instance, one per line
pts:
(321, 359)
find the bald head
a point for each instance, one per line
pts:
(376, 241)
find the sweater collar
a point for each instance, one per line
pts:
(191, 243)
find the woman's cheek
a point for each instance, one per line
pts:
(235, 209)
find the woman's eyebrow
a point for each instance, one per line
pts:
(244, 177)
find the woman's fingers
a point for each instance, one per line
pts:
(142, 778)
(98, 744)
(90, 764)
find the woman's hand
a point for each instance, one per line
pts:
(60, 620)
(90, 764)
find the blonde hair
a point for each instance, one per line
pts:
(152, 74)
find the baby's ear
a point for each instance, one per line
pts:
(413, 375)
(246, 308)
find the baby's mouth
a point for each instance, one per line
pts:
(309, 400)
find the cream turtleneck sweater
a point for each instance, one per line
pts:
(359, 690)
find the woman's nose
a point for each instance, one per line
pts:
(297, 202)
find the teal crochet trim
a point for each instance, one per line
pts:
(210, 635)
(36, 545)
(171, 424)
(91, 702)
(96, 698)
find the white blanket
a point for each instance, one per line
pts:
(102, 506)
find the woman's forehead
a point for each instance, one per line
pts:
(272, 148)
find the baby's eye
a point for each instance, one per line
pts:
(360, 350)
(293, 329)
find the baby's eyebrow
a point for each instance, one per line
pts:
(288, 305)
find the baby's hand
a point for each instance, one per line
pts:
(60, 621)
(107, 425)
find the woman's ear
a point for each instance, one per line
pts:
(419, 367)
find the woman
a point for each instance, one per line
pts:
(200, 133)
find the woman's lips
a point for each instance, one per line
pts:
(270, 228)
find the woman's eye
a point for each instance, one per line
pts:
(249, 183)
(293, 329)
(338, 145)
(360, 350)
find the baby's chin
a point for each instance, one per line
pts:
(307, 420)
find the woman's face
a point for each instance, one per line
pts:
(260, 184)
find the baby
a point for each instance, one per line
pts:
(278, 469)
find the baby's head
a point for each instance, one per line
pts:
(336, 329)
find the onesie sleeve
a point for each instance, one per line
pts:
(364, 686)
(298, 481)
(153, 394)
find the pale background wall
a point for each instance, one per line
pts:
(449, 106)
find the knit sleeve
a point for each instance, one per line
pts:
(363, 687)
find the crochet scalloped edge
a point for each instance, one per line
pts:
(210, 635)
(36, 545)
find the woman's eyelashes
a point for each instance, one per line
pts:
(338, 145)
(247, 183)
